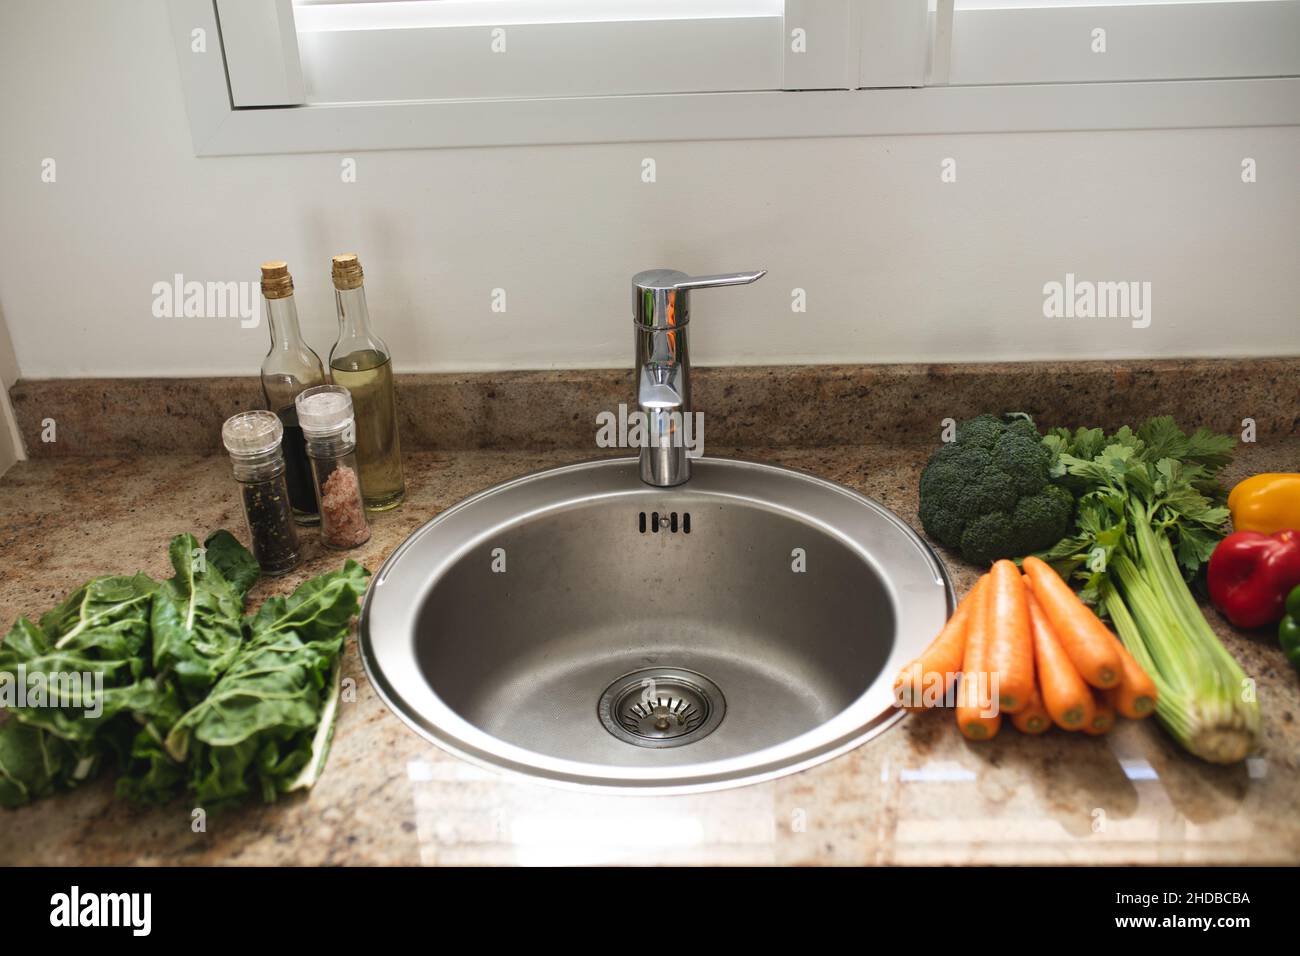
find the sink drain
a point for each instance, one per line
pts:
(661, 707)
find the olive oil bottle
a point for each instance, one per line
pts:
(289, 368)
(361, 363)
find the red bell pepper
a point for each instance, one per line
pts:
(1250, 575)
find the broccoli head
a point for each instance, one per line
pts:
(989, 492)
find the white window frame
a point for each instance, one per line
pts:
(848, 93)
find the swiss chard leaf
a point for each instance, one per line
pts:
(196, 618)
(178, 687)
(253, 732)
(115, 603)
(31, 762)
(35, 763)
(321, 609)
(274, 684)
(320, 745)
(265, 725)
(74, 690)
(149, 774)
(235, 562)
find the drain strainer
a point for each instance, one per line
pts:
(661, 707)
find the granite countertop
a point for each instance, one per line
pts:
(919, 793)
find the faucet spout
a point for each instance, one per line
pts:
(664, 460)
(661, 313)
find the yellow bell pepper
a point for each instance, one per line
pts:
(1266, 503)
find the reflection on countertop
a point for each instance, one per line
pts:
(918, 794)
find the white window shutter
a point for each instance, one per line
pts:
(821, 45)
(261, 48)
(893, 42)
(1124, 42)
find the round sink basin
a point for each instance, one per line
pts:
(581, 627)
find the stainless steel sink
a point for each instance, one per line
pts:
(582, 627)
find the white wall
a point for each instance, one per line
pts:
(897, 265)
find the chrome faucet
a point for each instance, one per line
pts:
(661, 310)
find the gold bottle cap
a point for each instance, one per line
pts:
(276, 281)
(347, 271)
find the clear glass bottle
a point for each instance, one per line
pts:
(361, 362)
(253, 441)
(288, 368)
(325, 414)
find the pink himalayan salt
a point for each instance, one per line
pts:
(343, 515)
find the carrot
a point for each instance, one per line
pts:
(1011, 645)
(1087, 641)
(1104, 717)
(1135, 696)
(940, 661)
(1065, 695)
(976, 715)
(1034, 719)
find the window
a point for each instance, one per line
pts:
(301, 75)
(352, 51)
(1082, 41)
(460, 49)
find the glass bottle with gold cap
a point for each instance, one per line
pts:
(289, 368)
(361, 363)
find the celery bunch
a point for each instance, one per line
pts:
(1150, 514)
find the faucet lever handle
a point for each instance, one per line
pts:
(713, 282)
(661, 300)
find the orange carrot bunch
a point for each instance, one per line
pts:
(1026, 646)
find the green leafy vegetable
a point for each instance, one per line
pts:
(196, 619)
(235, 562)
(319, 751)
(175, 685)
(258, 730)
(84, 662)
(117, 606)
(1150, 514)
(318, 610)
(149, 774)
(30, 763)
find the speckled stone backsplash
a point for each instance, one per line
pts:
(770, 406)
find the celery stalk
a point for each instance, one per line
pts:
(1140, 493)
(1202, 697)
